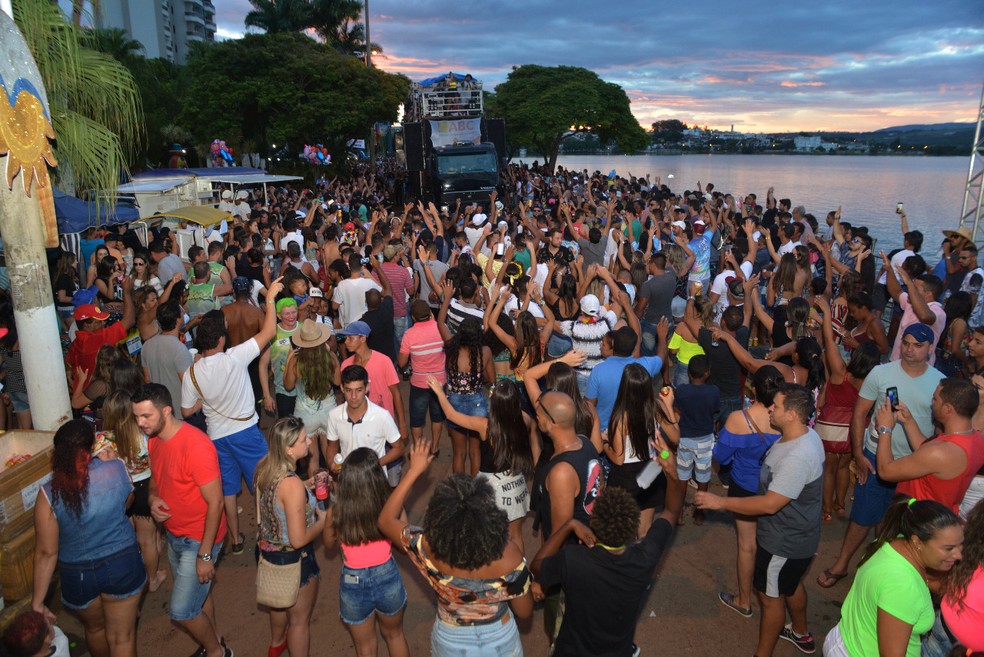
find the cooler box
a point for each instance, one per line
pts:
(19, 483)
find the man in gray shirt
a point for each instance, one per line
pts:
(164, 356)
(789, 506)
(653, 301)
(168, 264)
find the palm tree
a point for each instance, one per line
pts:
(94, 103)
(273, 16)
(116, 43)
(330, 18)
(350, 39)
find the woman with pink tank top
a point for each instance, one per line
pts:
(371, 588)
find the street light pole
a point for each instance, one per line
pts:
(372, 128)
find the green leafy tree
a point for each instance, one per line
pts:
(286, 88)
(115, 43)
(275, 16)
(542, 105)
(668, 131)
(94, 103)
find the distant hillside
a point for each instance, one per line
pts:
(928, 127)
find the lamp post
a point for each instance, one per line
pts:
(372, 128)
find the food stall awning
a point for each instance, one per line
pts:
(256, 179)
(203, 215)
(150, 186)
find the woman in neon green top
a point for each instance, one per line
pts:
(889, 605)
(683, 344)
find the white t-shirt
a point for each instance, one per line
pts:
(896, 261)
(787, 247)
(292, 237)
(514, 305)
(720, 287)
(350, 295)
(227, 391)
(374, 430)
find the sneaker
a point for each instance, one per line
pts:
(636, 650)
(804, 643)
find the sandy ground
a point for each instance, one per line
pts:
(682, 617)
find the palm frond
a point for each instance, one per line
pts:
(93, 155)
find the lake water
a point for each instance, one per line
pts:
(868, 187)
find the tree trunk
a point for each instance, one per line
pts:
(21, 226)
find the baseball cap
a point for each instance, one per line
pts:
(355, 328)
(590, 305)
(389, 251)
(921, 332)
(699, 227)
(349, 226)
(479, 218)
(736, 288)
(90, 311)
(241, 284)
(679, 224)
(316, 293)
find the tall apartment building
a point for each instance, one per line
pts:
(166, 28)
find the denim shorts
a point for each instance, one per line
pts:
(19, 401)
(499, 638)
(188, 595)
(120, 575)
(309, 562)
(365, 591)
(475, 405)
(422, 401)
(872, 498)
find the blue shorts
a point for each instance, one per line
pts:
(694, 457)
(188, 595)
(120, 575)
(475, 405)
(363, 592)
(872, 498)
(309, 563)
(238, 455)
(422, 401)
(19, 401)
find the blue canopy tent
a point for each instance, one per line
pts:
(75, 216)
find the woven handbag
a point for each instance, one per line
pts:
(276, 585)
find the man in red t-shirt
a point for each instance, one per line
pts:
(941, 468)
(186, 498)
(93, 332)
(423, 348)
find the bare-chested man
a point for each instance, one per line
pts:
(244, 320)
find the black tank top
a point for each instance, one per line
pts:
(591, 479)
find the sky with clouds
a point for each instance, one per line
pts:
(759, 65)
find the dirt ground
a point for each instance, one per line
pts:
(682, 617)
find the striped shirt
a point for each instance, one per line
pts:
(458, 311)
(423, 343)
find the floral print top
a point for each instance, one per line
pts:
(463, 601)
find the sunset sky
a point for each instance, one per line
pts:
(759, 65)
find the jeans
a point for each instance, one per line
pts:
(119, 575)
(936, 642)
(399, 328)
(422, 401)
(475, 405)
(648, 339)
(496, 639)
(188, 595)
(365, 591)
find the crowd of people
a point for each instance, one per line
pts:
(593, 346)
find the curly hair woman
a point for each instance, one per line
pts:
(81, 524)
(371, 588)
(889, 605)
(464, 551)
(469, 368)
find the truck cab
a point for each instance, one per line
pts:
(469, 172)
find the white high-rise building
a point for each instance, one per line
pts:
(166, 28)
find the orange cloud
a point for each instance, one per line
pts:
(790, 83)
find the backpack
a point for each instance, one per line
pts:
(84, 296)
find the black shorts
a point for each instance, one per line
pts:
(734, 490)
(778, 576)
(624, 476)
(141, 500)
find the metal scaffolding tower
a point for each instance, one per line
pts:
(973, 202)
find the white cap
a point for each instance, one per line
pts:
(478, 218)
(590, 305)
(227, 194)
(679, 224)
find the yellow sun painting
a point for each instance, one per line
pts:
(24, 138)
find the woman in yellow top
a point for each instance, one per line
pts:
(683, 345)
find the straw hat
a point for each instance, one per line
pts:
(963, 232)
(312, 334)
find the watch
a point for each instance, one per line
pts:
(883, 429)
(207, 557)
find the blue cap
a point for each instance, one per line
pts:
(355, 328)
(921, 332)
